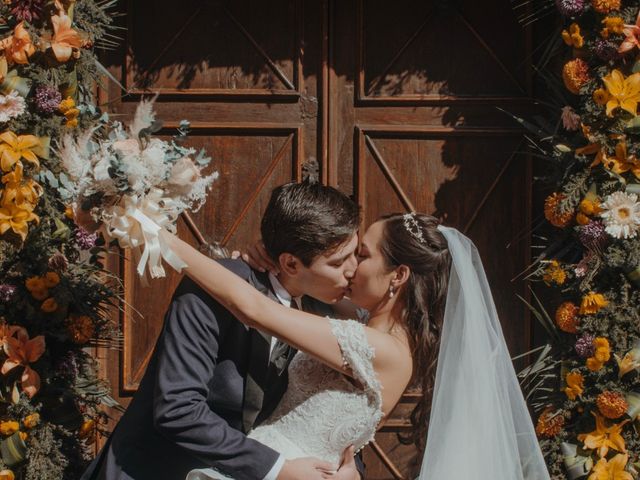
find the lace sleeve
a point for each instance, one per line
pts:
(358, 354)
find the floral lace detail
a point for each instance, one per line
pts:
(323, 412)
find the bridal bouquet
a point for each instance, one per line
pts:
(133, 184)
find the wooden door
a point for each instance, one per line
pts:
(395, 100)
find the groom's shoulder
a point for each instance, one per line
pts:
(237, 266)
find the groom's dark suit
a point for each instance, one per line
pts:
(208, 381)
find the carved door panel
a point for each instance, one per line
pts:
(396, 101)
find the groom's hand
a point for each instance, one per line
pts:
(348, 469)
(305, 469)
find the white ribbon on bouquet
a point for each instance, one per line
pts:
(136, 222)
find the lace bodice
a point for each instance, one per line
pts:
(323, 412)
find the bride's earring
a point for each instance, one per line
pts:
(391, 291)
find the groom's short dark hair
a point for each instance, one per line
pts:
(307, 219)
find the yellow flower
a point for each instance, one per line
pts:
(49, 305)
(71, 123)
(66, 104)
(603, 438)
(601, 96)
(7, 475)
(51, 279)
(592, 303)
(87, 431)
(614, 25)
(32, 420)
(575, 385)
(623, 92)
(9, 428)
(590, 207)
(18, 191)
(68, 212)
(601, 355)
(15, 147)
(554, 273)
(614, 469)
(572, 37)
(16, 218)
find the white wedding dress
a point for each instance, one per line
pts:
(322, 412)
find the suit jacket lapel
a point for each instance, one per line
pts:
(257, 370)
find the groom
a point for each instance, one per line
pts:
(210, 379)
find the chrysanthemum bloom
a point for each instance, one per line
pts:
(592, 303)
(575, 74)
(575, 385)
(570, 8)
(605, 50)
(567, 317)
(549, 424)
(584, 346)
(621, 214)
(612, 404)
(80, 329)
(554, 214)
(605, 6)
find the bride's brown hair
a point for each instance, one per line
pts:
(418, 244)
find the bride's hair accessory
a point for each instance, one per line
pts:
(413, 227)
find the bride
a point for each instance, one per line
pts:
(432, 320)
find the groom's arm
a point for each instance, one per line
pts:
(187, 358)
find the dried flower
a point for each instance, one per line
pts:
(32, 420)
(612, 404)
(605, 50)
(621, 214)
(7, 292)
(567, 317)
(84, 239)
(575, 74)
(49, 305)
(593, 235)
(9, 427)
(584, 346)
(27, 10)
(549, 423)
(601, 355)
(575, 385)
(605, 6)
(51, 279)
(554, 273)
(11, 106)
(570, 119)
(47, 99)
(573, 37)
(58, 262)
(554, 214)
(592, 303)
(80, 329)
(570, 8)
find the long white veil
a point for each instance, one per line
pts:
(480, 427)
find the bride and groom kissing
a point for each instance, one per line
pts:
(225, 394)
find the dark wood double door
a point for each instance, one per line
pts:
(394, 100)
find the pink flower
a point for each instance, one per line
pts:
(11, 106)
(570, 119)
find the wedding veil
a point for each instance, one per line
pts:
(480, 427)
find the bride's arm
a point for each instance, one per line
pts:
(306, 332)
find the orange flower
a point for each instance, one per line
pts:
(51, 279)
(572, 37)
(613, 469)
(9, 428)
(19, 191)
(553, 212)
(566, 317)
(592, 303)
(601, 355)
(575, 74)
(80, 329)
(21, 351)
(606, 6)
(31, 421)
(49, 305)
(612, 405)
(575, 385)
(65, 38)
(554, 274)
(7, 475)
(18, 47)
(549, 423)
(603, 438)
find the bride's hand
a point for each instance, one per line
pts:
(348, 469)
(257, 258)
(307, 468)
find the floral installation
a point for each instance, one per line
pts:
(584, 387)
(56, 299)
